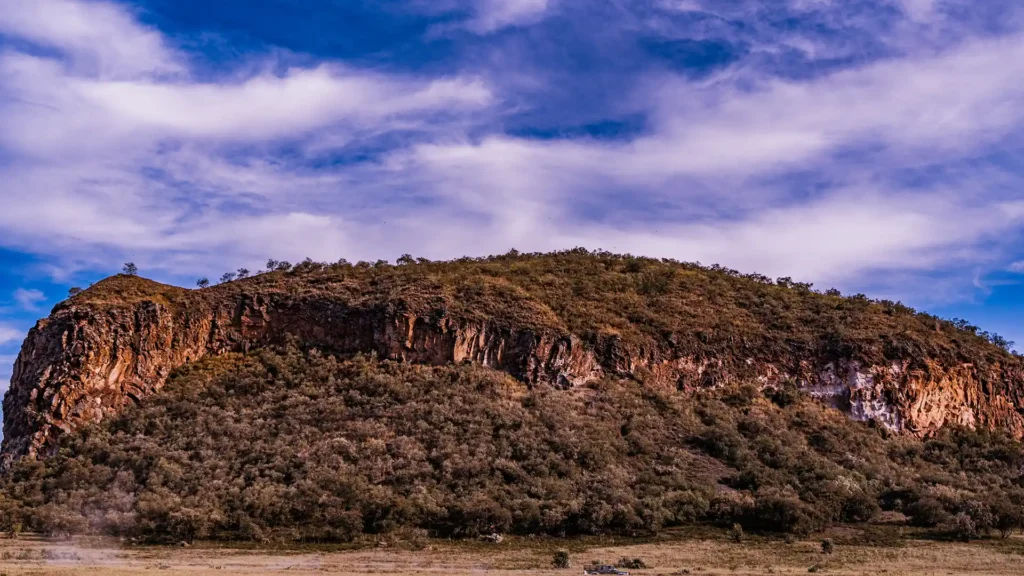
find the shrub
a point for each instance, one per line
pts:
(778, 510)
(561, 560)
(736, 533)
(827, 546)
(927, 512)
(632, 564)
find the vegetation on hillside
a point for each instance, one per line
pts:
(300, 445)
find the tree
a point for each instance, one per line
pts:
(927, 512)
(74, 291)
(964, 528)
(130, 269)
(283, 266)
(405, 259)
(272, 265)
(203, 283)
(242, 273)
(227, 277)
(1001, 342)
(1008, 517)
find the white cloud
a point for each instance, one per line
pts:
(53, 113)
(920, 10)
(98, 37)
(123, 156)
(10, 334)
(272, 107)
(709, 140)
(29, 299)
(492, 15)
(1017, 267)
(945, 104)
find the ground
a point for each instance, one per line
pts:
(33, 555)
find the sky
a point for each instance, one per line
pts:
(874, 146)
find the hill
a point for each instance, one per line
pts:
(565, 393)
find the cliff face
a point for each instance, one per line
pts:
(86, 362)
(93, 356)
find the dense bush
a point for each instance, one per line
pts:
(307, 446)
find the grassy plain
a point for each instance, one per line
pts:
(886, 553)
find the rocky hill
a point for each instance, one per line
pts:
(556, 320)
(682, 375)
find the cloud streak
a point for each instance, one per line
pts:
(29, 299)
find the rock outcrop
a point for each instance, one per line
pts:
(117, 343)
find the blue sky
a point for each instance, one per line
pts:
(870, 145)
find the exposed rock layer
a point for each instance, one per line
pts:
(90, 359)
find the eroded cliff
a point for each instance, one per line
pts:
(117, 342)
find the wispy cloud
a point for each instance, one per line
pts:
(29, 299)
(491, 15)
(98, 38)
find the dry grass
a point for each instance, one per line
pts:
(34, 556)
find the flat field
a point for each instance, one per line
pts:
(680, 554)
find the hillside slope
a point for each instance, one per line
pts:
(560, 320)
(285, 444)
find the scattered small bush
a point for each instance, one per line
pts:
(736, 533)
(561, 560)
(631, 564)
